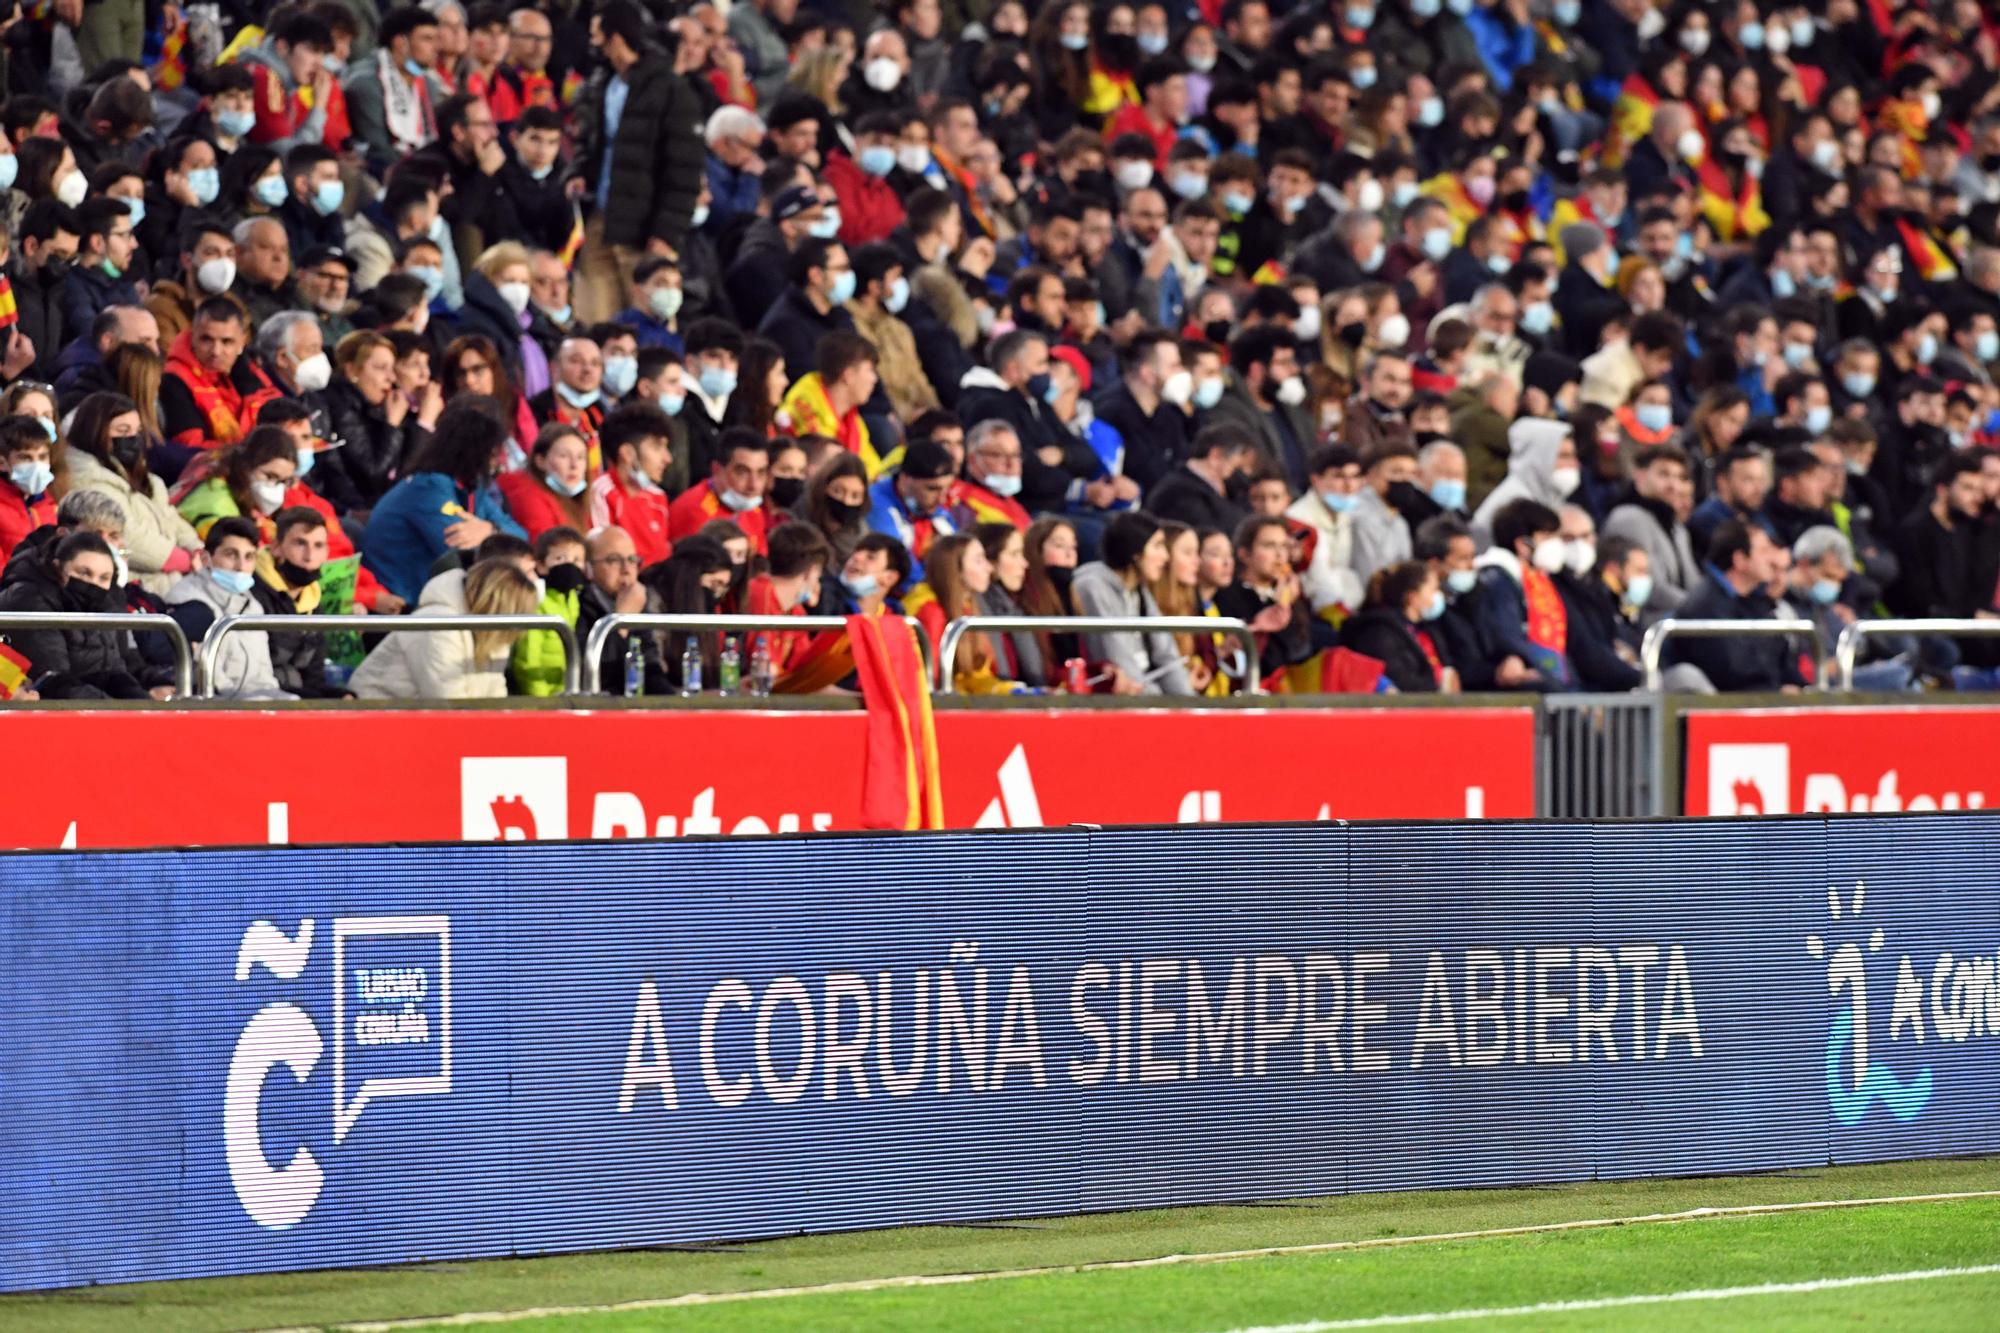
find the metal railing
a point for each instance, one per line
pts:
(1848, 646)
(1080, 625)
(600, 633)
(115, 620)
(1599, 756)
(211, 644)
(1656, 638)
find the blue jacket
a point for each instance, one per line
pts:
(405, 533)
(887, 513)
(649, 332)
(1499, 611)
(1503, 46)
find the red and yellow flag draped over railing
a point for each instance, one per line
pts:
(900, 784)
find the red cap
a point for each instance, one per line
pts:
(1076, 362)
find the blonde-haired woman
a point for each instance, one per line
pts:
(821, 73)
(452, 664)
(372, 419)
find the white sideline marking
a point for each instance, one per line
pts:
(1617, 1302)
(478, 1317)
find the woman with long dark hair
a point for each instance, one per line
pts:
(446, 502)
(107, 452)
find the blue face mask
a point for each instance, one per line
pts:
(235, 124)
(1639, 591)
(269, 191)
(1360, 16)
(306, 457)
(1987, 346)
(717, 383)
(861, 588)
(10, 167)
(1610, 265)
(1825, 591)
(1857, 385)
(233, 581)
(1338, 501)
(1237, 203)
(671, 403)
(31, 479)
(1425, 9)
(1797, 354)
(1430, 112)
(541, 173)
(1207, 394)
(1152, 43)
(620, 374)
(204, 183)
(137, 208)
(1435, 606)
(700, 218)
(413, 69)
(48, 427)
(327, 198)
(1460, 7)
(898, 297)
(1538, 317)
(1566, 12)
(1462, 581)
(433, 279)
(1751, 35)
(1362, 76)
(1782, 285)
(826, 226)
(843, 288)
(1447, 493)
(1075, 41)
(877, 161)
(1818, 419)
(1655, 417)
(1499, 263)
(1437, 244)
(1927, 349)
(577, 400)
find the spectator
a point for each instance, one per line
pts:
(992, 479)
(828, 401)
(909, 504)
(1393, 627)
(1120, 585)
(1326, 513)
(373, 421)
(798, 559)
(1522, 627)
(1020, 654)
(447, 501)
(1650, 516)
(211, 393)
(223, 589)
(1602, 603)
(1264, 596)
(1375, 418)
(1265, 397)
(1742, 481)
(1198, 492)
(563, 565)
(1149, 406)
(734, 489)
(957, 574)
(1822, 567)
(25, 499)
(251, 482)
(1740, 566)
(106, 452)
(628, 495)
(1381, 534)
(836, 502)
(452, 664)
(75, 577)
(288, 574)
(1541, 466)
(1798, 503)
(549, 492)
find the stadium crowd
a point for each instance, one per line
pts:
(1448, 343)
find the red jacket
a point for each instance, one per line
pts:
(1134, 120)
(699, 504)
(537, 508)
(20, 516)
(642, 514)
(869, 209)
(227, 412)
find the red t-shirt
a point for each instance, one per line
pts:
(699, 504)
(642, 514)
(1134, 120)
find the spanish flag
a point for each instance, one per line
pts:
(900, 784)
(1631, 118)
(13, 672)
(171, 71)
(575, 241)
(1931, 260)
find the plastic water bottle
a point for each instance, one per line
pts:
(691, 668)
(729, 668)
(760, 668)
(635, 667)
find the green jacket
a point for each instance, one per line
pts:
(208, 502)
(537, 666)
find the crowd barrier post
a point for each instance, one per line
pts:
(117, 620)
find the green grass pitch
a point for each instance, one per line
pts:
(1830, 1264)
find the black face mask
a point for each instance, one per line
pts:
(1424, 437)
(1094, 182)
(128, 450)
(841, 512)
(785, 491)
(91, 599)
(1352, 333)
(1118, 50)
(1406, 499)
(1217, 331)
(295, 576)
(55, 270)
(1061, 576)
(1237, 487)
(1514, 201)
(566, 579)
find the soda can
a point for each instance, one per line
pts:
(1077, 673)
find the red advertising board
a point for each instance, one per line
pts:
(337, 777)
(1795, 761)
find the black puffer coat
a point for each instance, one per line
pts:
(70, 663)
(657, 158)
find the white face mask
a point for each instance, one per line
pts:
(882, 74)
(314, 373)
(1550, 555)
(515, 294)
(215, 276)
(1178, 389)
(1582, 555)
(268, 496)
(1306, 327)
(1393, 331)
(1566, 479)
(1135, 175)
(1369, 197)
(72, 189)
(1292, 392)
